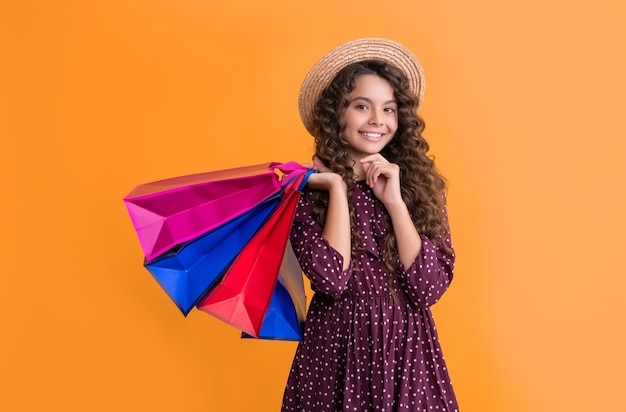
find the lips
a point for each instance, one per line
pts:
(371, 135)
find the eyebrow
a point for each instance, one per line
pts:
(367, 99)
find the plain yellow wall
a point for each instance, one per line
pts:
(524, 110)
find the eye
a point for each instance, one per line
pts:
(360, 107)
(390, 109)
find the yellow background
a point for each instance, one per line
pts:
(525, 113)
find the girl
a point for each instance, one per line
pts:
(371, 233)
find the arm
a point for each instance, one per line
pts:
(430, 274)
(337, 226)
(424, 268)
(408, 241)
(324, 252)
(384, 179)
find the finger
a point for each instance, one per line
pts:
(366, 166)
(387, 170)
(376, 157)
(373, 173)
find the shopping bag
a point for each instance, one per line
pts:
(281, 320)
(290, 277)
(188, 272)
(242, 296)
(172, 211)
(286, 313)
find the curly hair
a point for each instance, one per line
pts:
(423, 188)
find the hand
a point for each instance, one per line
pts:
(325, 179)
(383, 177)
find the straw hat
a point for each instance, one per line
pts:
(325, 70)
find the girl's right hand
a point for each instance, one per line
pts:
(325, 179)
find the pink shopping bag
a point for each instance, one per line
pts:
(169, 212)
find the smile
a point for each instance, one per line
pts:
(371, 135)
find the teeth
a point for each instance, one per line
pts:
(374, 135)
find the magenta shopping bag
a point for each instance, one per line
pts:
(172, 211)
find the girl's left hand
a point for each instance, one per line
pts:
(383, 177)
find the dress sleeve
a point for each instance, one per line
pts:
(428, 277)
(320, 262)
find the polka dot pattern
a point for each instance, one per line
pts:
(363, 351)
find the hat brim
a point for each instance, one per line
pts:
(325, 70)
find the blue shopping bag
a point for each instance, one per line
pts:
(281, 320)
(188, 272)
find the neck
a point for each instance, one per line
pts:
(357, 170)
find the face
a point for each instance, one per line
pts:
(371, 117)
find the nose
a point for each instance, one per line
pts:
(375, 118)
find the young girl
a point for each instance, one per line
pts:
(371, 233)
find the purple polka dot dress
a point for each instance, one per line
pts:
(362, 350)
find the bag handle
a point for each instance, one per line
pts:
(288, 167)
(296, 180)
(290, 171)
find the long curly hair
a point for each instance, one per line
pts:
(423, 188)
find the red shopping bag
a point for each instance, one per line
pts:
(286, 313)
(243, 295)
(170, 212)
